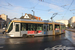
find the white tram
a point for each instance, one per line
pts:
(24, 28)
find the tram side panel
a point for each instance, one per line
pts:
(19, 29)
(32, 29)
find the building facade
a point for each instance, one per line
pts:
(4, 20)
(63, 21)
(71, 20)
(4, 17)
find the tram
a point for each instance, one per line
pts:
(24, 28)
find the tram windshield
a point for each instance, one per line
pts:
(8, 25)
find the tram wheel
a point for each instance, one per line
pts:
(29, 36)
(33, 36)
(24, 36)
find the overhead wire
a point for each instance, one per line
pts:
(53, 4)
(68, 8)
(36, 5)
(61, 6)
(8, 3)
(39, 9)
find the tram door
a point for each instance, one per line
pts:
(45, 29)
(17, 30)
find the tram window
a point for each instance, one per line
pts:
(62, 27)
(17, 27)
(44, 27)
(47, 28)
(39, 27)
(34, 27)
(10, 28)
(23, 26)
(50, 27)
(31, 27)
(57, 26)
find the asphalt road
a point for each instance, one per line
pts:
(36, 43)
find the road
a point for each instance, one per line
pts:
(36, 43)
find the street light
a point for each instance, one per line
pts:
(33, 13)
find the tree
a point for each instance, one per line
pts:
(69, 25)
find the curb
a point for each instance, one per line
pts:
(71, 30)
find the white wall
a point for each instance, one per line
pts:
(63, 21)
(72, 20)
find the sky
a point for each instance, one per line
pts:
(45, 9)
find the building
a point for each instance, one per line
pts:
(71, 20)
(4, 17)
(63, 21)
(30, 17)
(7, 22)
(4, 20)
(73, 25)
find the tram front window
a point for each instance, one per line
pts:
(10, 27)
(7, 25)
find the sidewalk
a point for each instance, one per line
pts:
(70, 35)
(73, 30)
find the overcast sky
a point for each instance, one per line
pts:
(42, 8)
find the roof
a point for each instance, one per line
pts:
(35, 21)
(21, 17)
(31, 17)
